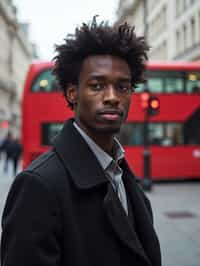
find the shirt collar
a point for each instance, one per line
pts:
(104, 158)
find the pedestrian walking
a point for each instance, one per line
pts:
(79, 203)
(7, 148)
(16, 154)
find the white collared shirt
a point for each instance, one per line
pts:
(110, 166)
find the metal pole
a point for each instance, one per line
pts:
(147, 182)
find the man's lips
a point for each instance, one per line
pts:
(111, 114)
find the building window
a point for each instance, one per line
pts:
(199, 27)
(193, 25)
(181, 7)
(178, 41)
(184, 4)
(184, 37)
(178, 8)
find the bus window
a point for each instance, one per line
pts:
(174, 82)
(155, 81)
(131, 134)
(166, 134)
(192, 129)
(44, 82)
(160, 134)
(193, 82)
(156, 133)
(166, 81)
(173, 134)
(139, 88)
(163, 81)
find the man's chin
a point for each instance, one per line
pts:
(108, 130)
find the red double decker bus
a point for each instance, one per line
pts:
(174, 134)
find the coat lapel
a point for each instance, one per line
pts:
(143, 220)
(121, 225)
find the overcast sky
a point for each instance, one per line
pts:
(51, 20)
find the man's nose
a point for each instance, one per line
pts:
(110, 95)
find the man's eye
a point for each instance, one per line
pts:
(97, 86)
(124, 88)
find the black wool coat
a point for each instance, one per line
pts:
(63, 211)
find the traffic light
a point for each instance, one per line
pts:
(4, 124)
(144, 100)
(153, 105)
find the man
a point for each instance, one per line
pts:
(79, 204)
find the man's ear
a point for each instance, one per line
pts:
(71, 93)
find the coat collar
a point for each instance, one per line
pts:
(78, 158)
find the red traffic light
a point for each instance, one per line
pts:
(4, 124)
(144, 99)
(153, 105)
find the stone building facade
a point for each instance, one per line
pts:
(172, 26)
(16, 53)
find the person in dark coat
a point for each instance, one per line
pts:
(16, 153)
(7, 148)
(79, 204)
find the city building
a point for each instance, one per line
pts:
(172, 27)
(16, 53)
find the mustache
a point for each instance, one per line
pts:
(112, 111)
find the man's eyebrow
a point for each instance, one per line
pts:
(103, 77)
(125, 79)
(97, 77)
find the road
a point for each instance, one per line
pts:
(176, 209)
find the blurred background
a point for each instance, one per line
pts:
(30, 31)
(162, 134)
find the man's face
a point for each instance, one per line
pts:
(103, 95)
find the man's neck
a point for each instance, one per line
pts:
(104, 140)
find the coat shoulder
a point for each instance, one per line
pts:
(49, 169)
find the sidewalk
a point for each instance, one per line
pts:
(5, 183)
(176, 209)
(6, 180)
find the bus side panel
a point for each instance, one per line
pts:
(179, 162)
